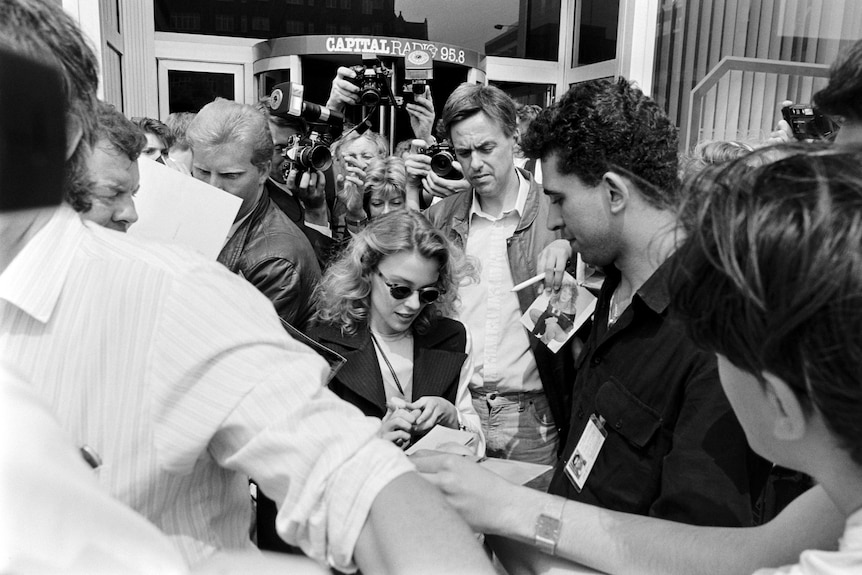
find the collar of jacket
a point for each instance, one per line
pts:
(436, 363)
(235, 246)
(461, 207)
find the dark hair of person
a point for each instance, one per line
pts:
(43, 31)
(157, 128)
(469, 99)
(119, 131)
(609, 126)
(343, 297)
(843, 95)
(771, 275)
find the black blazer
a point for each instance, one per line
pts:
(437, 359)
(438, 356)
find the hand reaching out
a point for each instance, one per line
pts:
(351, 188)
(553, 260)
(310, 189)
(422, 115)
(343, 91)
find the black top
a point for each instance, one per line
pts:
(674, 447)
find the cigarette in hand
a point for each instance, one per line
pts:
(533, 280)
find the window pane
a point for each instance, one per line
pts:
(514, 28)
(597, 33)
(538, 94)
(190, 91)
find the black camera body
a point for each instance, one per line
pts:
(441, 160)
(372, 79)
(808, 123)
(308, 151)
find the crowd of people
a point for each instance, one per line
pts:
(144, 387)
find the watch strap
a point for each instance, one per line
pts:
(548, 527)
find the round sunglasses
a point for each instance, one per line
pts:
(426, 294)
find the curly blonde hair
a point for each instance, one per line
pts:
(384, 176)
(343, 297)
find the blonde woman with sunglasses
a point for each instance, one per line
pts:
(383, 305)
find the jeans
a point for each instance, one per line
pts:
(517, 426)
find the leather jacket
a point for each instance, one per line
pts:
(273, 254)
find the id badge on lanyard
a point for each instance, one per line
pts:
(581, 462)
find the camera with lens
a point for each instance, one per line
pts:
(808, 123)
(311, 151)
(308, 153)
(441, 160)
(418, 72)
(372, 79)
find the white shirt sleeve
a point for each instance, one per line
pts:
(467, 415)
(264, 394)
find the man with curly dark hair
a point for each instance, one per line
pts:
(768, 280)
(648, 413)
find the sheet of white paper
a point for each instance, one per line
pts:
(440, 435)
(175, 207)
(517, 472)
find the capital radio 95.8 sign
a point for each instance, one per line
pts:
(400, 47)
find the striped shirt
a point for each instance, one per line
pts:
(179, 375)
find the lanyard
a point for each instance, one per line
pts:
(389, 365)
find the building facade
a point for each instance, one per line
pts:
(720, 67)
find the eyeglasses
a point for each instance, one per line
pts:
(426, 294)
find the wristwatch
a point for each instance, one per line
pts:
(548, 531)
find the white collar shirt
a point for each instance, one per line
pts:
(180, 376)
(501, 346)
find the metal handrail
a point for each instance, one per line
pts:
(741, 64)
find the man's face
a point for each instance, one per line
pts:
(582, 213)
(228, 167)
(359, 152)
(485, 153)
(155, 148)
(281, 136)
(115, 182)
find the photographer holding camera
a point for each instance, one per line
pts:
(301, 196)
(840, 100)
